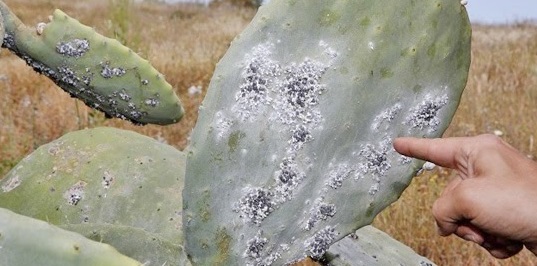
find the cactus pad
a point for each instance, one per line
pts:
(148, 248)
(27, 241)
(101, 176)
(293, 146)
(370, 246)
(100, 71)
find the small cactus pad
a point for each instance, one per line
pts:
(370, 246)
(102, 176)
(27, 241)
(100, 71)
(148, 248)
(293, 146)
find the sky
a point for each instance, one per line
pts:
(481, 11)
(501, 11)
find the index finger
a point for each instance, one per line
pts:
(443, 152)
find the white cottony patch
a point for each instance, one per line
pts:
(300, 136)
(74, 48)
(319, 243)
(425, 114)
(270, 259)
(256, 205)
(110, 72)
(12, 183)
(153, 102)
(288, 177)
(121, 94)
(425, 263)
(288, 95)
(223, 124)
(320, 211)
(374, 159)
(299, 92)
(386, 117)
(258, 252)
(329, 51)
(108, 179)
(464, 2)
(338, 175)
(374, 189)
(75, 193)
(68, 76)
(404, 160)
(257, 77)
(254, 248)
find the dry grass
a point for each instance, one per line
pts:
(184, 42)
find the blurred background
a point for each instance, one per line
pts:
(501, 12)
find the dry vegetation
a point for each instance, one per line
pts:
(184, 42)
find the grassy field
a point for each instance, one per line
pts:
(184, 42)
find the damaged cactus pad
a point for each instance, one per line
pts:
(293, 146)
(108, 184)
(100, 71)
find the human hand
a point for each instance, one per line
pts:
(493, 201)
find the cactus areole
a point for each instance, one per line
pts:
(293, 147)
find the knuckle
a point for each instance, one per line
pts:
(490, 140)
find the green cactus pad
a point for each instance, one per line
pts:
(2, 30)
(293, 146)
(100, 71)
(103, 176)
(150, 249)
(25, 241)
(370, 246)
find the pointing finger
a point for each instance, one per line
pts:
(443, 152)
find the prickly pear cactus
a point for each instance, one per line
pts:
(105, 178)
(293, 147)
(51, 246)
(370, 246)
(146, 247)
(100, 71)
